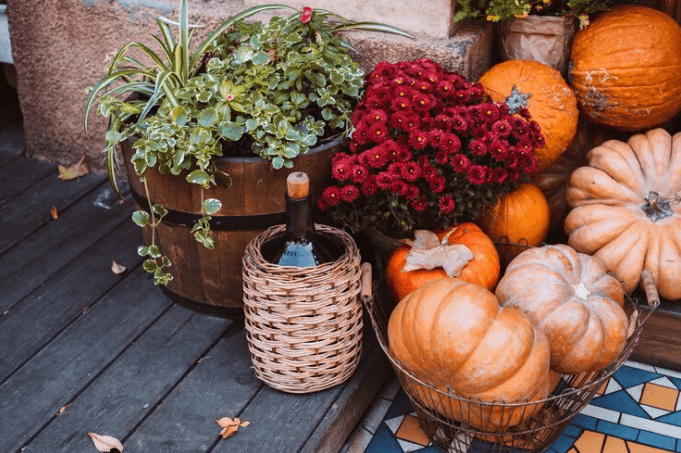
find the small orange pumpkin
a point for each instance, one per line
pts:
(543, 91)
(454, 335)
(520, 214)
(483, 269)
(626, 68)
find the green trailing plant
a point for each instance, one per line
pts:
(249, 88)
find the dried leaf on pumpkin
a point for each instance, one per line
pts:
(229, 426)
(428, 252)
(105, 443)
(76, 170)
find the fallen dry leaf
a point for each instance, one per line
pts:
(84, 309)
(117, 268)
(105, 443)
(428, 252)
(6, 312)
(229, 426)
(63, 409)
(76, 170)
(54, 213)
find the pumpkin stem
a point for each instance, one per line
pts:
(657, 207)
(517, 100)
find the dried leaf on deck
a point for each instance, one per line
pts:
(76, 170)
(229, 426)
(117, 268)
(54, 213)
(105, 443)
(63, 409)
(428, 252)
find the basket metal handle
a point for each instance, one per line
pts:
(366, 290)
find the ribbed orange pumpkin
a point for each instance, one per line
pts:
(483, 269)
(553, 181)
(454, 335)
(576, 303)
(520, 214)
(543, 91)
(626, 209)
(626, 68)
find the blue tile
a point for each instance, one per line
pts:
(624, 432)
(678, 445)
(429, 449)
(383, 441)
(657, 440)
(671, 419)
(400, 406)
(563, 444)
(620, 401)
(573, 431)
(675, 381)
(630, 377)
(584, 421)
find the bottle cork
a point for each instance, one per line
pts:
(298, 185)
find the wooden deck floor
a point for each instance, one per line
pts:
(85, 350)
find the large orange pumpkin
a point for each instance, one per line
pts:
(553, 181)
(543, 91)
(571, 297)
(483, 269)
(626, 209)
(454, 336)
(626, 68)
(520, 214)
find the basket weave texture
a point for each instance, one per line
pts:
(303, 324)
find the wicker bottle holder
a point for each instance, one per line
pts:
(304, 324)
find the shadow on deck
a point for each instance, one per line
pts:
(86, 350)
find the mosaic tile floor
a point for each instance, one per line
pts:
(637, 411)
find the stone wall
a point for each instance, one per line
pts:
(59, 49)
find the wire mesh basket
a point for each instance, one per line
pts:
(457, 424)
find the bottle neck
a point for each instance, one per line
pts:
(299, 223)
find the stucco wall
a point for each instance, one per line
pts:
(59, 49)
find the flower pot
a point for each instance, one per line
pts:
(547, 39)
(211, 280)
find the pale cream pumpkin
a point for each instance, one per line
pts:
(454, 335)
(571, 297)
(626, 210)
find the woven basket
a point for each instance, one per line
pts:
(303, 324)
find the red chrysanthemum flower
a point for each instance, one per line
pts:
(460, 162)
(376, 116)
(488, 112)
(499, 176)
(359, 173)
(498, 150)
(451, 143)
(375, 157)
(418, 139)
(436, 137)
(437, 183)
(478, 147)
(400, 187)
(397, 170)
(420, 204)
(341, 170)
(369, 187)
(501, 128)
(428, 172)
(338, 157)
(459, 124)
(349, 193)
(442, 156)
(384, 180)
(404, 121)
(403, 154)
(399, 103)
(446, 204)
(477, 174)
(413, 192)
(412, 171)
(331, 196)
(463, 96)
(378, 133)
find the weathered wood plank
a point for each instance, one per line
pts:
(40, 316)
(37, 257)
(280, 421)
(220, 386)
(31, 209)
(12, 141)
(351, 404)
(20, 173)
(129, 389)
(55, 375)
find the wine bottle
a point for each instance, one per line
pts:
(301, 244)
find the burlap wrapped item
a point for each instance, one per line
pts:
(547, 39)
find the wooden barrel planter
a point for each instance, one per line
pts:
(210, 280)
